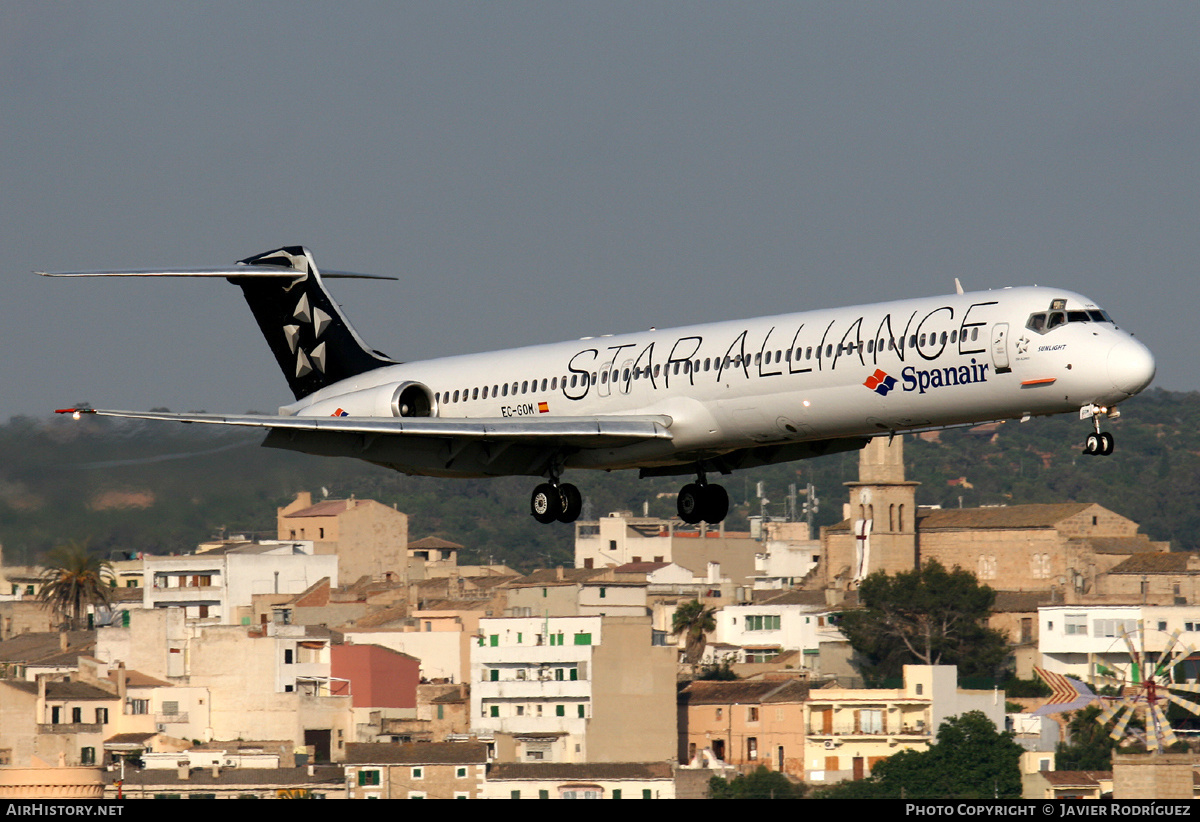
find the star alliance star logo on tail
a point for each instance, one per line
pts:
(880, 382)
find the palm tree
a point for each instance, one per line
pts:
(695, 622)
(73, 580)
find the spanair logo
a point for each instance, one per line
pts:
(925, 380)
(880, 382)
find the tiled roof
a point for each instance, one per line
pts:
(1075, 779)
(435, 542)
(580, 770)
(1019, 602)
(384, 616)
(328, 508)
(63, 690)
(1137, 544)
(1159, 563)
(39, 645)
(793, 597)
(745, 692)
(1012, 516)
(549, 576)
(639, 567)
(417, 753)
(264, 777)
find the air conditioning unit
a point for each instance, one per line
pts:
(830, 745)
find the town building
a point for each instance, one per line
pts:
(849, 730)
(1065, 547)
(596, 684)
(422, 770)
(745, 724)
(221, 583)
(369, 538)
(580, 780)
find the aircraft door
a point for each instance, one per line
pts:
(1000, 348)
(625, 379)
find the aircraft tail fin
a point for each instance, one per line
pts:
(312, 341)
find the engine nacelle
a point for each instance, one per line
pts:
(408, 399)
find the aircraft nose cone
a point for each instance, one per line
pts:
(1130, 366)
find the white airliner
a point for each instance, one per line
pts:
(674, 402)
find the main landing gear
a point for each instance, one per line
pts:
(556, 502)
(1099, 443)
(698, 501)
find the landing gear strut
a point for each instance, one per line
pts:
(555, 502)
(700, 501)
(1100, 443)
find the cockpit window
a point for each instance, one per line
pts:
(1045, 321)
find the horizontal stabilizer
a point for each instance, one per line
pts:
(232, 272)
(602, 428)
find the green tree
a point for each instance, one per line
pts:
(695, 623)
(75, 579)
(762, 784)
(1089, 746)
(970, 760)
(928, 616)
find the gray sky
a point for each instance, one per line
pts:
(543, 171)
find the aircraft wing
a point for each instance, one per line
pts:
(593, 430)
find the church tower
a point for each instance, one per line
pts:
(882, 517)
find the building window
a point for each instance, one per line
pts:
(1075, 624)
(583, 639)
(418, 773)
(77, 715)
(460, 773)
(87, 756)
(495, 711)
(752, 713)
(560, 710)
(647, 793)
(582, 712)
(752, 748)
(768, 622)
(366, 778)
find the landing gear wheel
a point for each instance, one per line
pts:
(546, 503)
(716, 504)
(691, 503)
(1092, 444)
(1106, 444)
(572, 502)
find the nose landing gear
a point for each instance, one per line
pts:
(1099, 443)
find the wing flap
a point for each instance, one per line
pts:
(602, 428)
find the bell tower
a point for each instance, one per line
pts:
(882, 512)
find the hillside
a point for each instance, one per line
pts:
(131, 486)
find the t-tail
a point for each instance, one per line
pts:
(312, 341)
